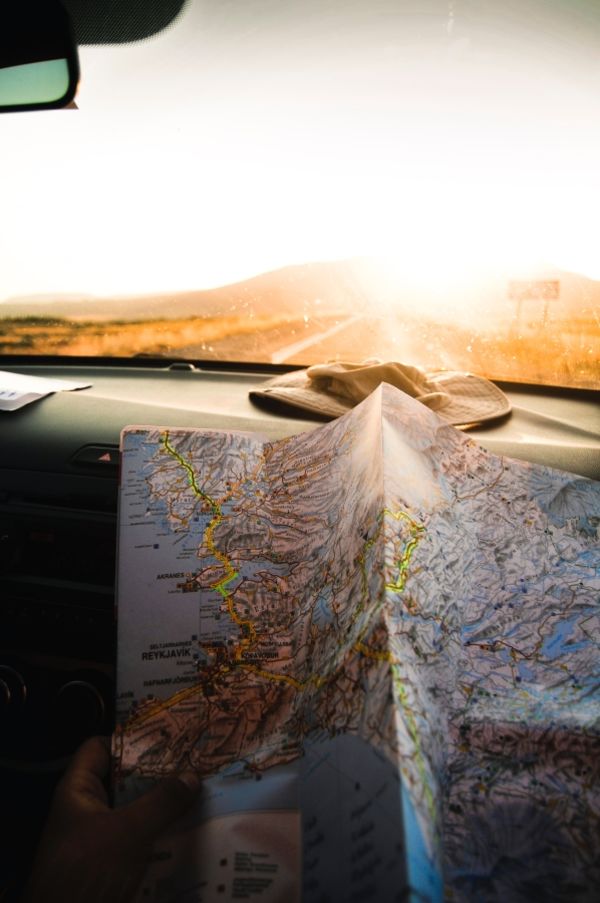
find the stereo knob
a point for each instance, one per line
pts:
(78, 710)
(13, 691)
(4, 696)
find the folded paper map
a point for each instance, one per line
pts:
(379, 646)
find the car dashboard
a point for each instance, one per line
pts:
(59, 471)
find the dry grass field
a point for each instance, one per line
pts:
(124, 338)
(565, 353)
(561, 353)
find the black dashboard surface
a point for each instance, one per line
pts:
(547, 426)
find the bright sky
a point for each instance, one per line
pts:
(258, 133)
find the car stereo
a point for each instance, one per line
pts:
(57, 566)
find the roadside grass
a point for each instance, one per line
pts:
(564, 353)
(123, 338)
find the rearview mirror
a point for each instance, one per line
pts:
(39, 66)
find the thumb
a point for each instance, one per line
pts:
(149, 815)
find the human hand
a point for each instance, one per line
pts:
(90, 853)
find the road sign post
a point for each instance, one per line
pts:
(545, 290)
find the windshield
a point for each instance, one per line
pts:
(284, 182)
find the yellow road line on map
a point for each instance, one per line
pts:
(379, 655)
(162, 705)
(404, 561)
(300, 685)
(231, 574)
(413, 731)
(398, 586)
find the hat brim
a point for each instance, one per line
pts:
(471, 399)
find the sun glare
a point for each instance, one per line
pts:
(445, 163)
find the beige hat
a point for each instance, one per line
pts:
(331, 390)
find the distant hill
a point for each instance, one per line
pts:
(292, 290)
(342, 287)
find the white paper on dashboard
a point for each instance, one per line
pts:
(19, 389)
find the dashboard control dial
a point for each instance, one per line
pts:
(79, 710)
(13, 691)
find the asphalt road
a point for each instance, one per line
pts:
(355, 339)
(288, 353)
(351, 338)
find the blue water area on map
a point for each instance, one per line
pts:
(322, 610)
(261, 567)
(424, 877)
(196, 526)
(590, 558)
(525, 672)
(554, 645)
(588, 526)
(133, 443)
(503, 655)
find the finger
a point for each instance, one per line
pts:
(92, 757)
(88, 769)
(159, 807)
